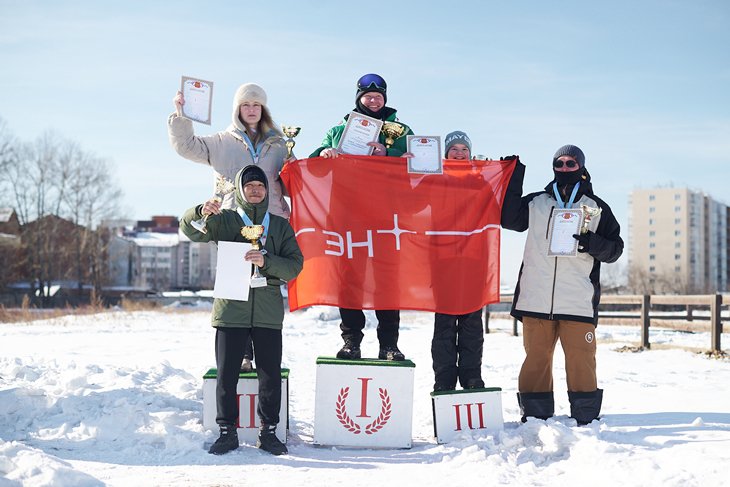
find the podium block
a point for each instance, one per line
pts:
(248, 400)
(363, 403)
(469, 410)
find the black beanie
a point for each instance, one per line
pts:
(572, 151)
(252, 173)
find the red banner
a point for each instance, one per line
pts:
(376, 237)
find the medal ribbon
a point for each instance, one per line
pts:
(255, 151)
(569, 203)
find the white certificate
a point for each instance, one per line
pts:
(232, 272)
(564, 224)
(426, 152)
(359, 130)
(198, 95)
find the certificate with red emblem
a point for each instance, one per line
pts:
(198, 95)
(426, 150)
(564, 223)
(359, 131)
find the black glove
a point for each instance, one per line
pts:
(510, 158)
(584, 241)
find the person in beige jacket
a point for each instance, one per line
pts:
(252, 138)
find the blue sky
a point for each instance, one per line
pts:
(643, 87)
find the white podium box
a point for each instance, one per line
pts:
(363, 403)
(248, 400)
(455, 412)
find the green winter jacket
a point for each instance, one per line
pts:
(282, 262)
(332, 139)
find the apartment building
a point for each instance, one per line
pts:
(678, 241)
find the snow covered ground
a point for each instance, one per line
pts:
(116, 399)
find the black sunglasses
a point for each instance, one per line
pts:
(371, 81)
(569, 163)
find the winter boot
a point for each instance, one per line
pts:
(474, 383)
(391, 353)
(246, 365)
(440, 387)
(585, 406)
(227, 441)
(349, 351)
(539, 405)
(269, 442)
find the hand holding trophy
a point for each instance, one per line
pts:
(223, 186)
(290, 131)
(588, 213)
(392, 130)
(253, 233)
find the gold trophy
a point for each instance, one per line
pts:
(588, 213)
(392, 130)
(253, 233)
(223, 186)
(290, 131)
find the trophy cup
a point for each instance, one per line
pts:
(588, 213)
(392, 130)
(290, 131)
(223, 186)
(253, 233)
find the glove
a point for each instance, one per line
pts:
(584, 241)
(510, 158)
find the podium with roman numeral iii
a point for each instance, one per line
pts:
(248, 400)
(363, 403)
(471, 410)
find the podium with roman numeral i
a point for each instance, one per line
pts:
(363, 403)
(248, 400)
(471, 410)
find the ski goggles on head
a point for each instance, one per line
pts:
(371, 80)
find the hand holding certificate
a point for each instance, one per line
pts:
(564, 224)
(198, 95)
(426, 152)
(359, 131)
(233, 272)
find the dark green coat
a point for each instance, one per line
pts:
(335, 134)
(282, 262)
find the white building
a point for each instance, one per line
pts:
(678, 240)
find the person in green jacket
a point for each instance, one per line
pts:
(261, 317)
(370, 100)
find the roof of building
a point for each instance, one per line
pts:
(6, 214)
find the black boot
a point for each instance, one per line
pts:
(474, 383)
(539, 405)
(349, 351)
(269, 442)
(227, 441)
(585, 406)
(391, 353)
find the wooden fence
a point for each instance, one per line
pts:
(641, 312)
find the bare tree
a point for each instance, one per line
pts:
(9, 155)
(90, 196)
(642, 281)
(60, 193)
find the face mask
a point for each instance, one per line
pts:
(572, 177)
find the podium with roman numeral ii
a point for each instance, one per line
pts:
(364, 403)
(248, 400)
(471, 410)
